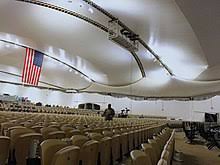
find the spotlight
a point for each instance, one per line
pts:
(90, 10)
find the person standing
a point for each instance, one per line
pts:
(109, 113)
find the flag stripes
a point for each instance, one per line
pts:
(32, 67)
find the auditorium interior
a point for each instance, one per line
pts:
(109, 82)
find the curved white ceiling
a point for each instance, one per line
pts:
(169, 27)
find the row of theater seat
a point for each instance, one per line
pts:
(30, 107)
(158, 151)
(71, 138)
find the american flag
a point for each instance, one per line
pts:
(32, 66)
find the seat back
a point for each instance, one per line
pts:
(4, 146)
(105, 150)
(140, 158)
(71, 133)
(37, 128)
(131, 140)
(96, 136)
(124, 143)
(107, 133)
(26, 146)
(46, 130)
(155, 147)
(49, 148)
(79, 140)
(13, 128)
(55, 135)
(67, 156)
(89, 153)
(115, 147)
(149, 151)
(15, 133)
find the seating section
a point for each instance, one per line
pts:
(63, 138)
(158, 151)
(30, 107)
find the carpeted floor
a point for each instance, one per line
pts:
(195, 154)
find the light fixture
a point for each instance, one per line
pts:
(90, 10)
(70, 70)
(81, 4)
(211, 104)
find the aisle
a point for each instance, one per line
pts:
(196, 154)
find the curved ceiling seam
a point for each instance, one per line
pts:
(78, 90)
(92, 81)
(56, 59)
(153, 98)
(46, 83)
(99, 8)
(118, 86)
(32, 86)
(16, 75)
(179, 98)
(86, 19)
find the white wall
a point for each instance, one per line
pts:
(178, 109)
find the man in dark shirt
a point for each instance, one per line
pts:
(109, 113)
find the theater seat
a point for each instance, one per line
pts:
(49, 148)
(15, 133)
(115, 147)
(71, 133)
(89, 153)
(26, 146)
(79, 140)
(105, 150)
(107, 133)
(124, 143)
(4, 147)
(13, 128)
(55, 135)
(37, 128)
(95, 136)
(140, 158)
(46, 130)
(67, 156)
(149, 151)
(155, 147)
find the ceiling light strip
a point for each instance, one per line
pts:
(128, 29)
